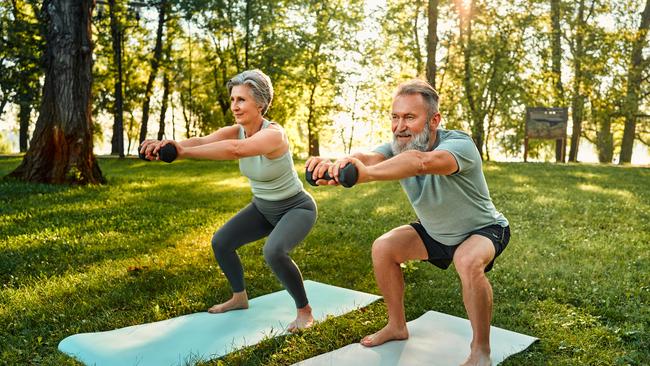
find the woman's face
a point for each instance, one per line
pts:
(243, 105)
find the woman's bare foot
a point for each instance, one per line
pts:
(239, 300)
(478, 358)
(387, 333)
(304, 320)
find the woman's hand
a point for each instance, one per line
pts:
(147, 148)
(318, 166)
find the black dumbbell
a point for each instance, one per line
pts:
(347, 176)
(167, 153)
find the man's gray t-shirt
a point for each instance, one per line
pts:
(451, 206)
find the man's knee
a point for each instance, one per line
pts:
(469, 265)
(382, 249)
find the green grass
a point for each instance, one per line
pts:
(576, 273)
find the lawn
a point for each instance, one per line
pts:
(576, 273)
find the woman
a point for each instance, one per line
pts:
(281, 209)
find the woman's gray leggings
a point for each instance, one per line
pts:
(286, 223)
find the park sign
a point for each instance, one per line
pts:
(546, 123)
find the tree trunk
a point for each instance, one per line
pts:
(631, 102)
(432, 42)
(312, 132)
(419, 65)
(163, 108)
(61, 149)
(248, 32)
(23, 117)
(155, 62)
(604, 139)
(577, 101)
(556, 51)
(117, 142)
(476, 115)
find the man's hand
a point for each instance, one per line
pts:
(179, 149)
(362, 170)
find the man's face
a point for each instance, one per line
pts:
(411, 130)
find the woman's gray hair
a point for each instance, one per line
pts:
(428, 93)
(258, 82)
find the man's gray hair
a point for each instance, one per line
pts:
(259, 83)
(428, 93)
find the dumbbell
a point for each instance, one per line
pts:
(167, 153)
(347, 176)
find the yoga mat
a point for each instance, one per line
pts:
(197, 337)
(435, 339)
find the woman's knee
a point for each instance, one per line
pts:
(220, 243)
(273, 253)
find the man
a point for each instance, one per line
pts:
(440, 171)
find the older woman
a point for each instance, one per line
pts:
(280, 210)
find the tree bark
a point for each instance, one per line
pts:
(163, 108)
(155, 62)
(631, 102)
(556, 56)
(117, 141)
(432, 42)
(477, 115)
(577, 101)
(23, 117)
(61, 149)
(419, 65)
(312, 133)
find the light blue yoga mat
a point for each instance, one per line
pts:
(435, 339)
(203, 336)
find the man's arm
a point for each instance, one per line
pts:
(407, 164)
(369, 159)
(411, 163)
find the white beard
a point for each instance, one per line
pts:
(418, 142)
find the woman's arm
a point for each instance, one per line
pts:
(224, 133)
(270, 142)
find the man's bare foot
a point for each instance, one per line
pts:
(478, 358)
(239, 300)
(387, 333)
(304, 320)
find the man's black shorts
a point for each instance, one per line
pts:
(442, 255)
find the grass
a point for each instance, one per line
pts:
(81, 259)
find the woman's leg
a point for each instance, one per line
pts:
(292, 228)
(246, 226)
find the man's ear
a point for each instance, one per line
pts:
(435, 121)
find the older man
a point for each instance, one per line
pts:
(440, 171)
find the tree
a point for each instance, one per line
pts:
(117, 141)
(432, 41)
(578, 97)
(155, 63)
(61, 147)
(556, 51)
(25, 44)
(631, 103)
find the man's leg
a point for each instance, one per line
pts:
(470, 260)
(388, 251)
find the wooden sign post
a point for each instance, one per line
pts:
(546, 123)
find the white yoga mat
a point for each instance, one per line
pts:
(435, 339)
(203, 336)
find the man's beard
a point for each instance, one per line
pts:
(418, 142)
